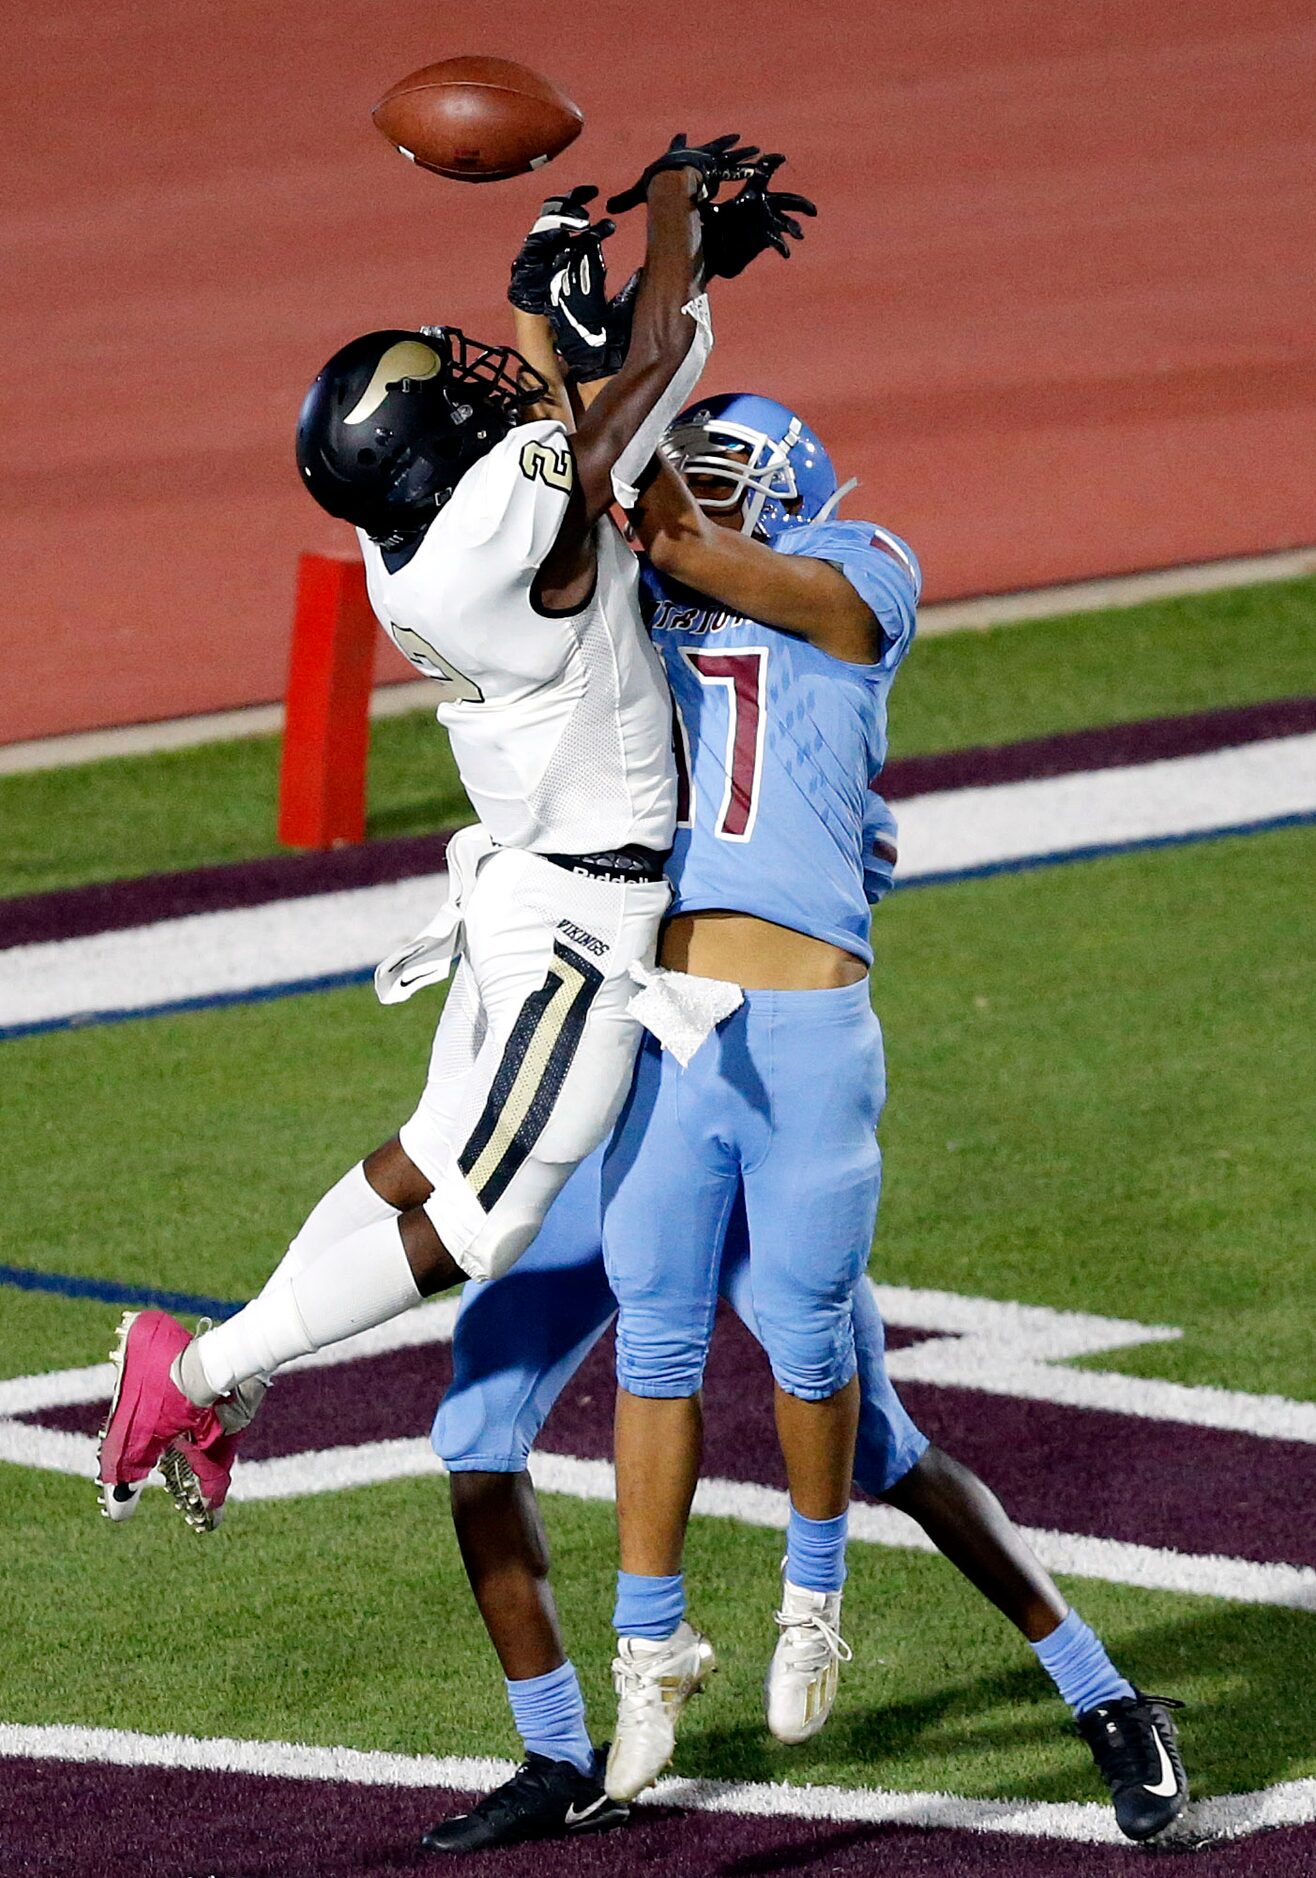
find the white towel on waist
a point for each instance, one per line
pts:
(681, 1011)
(428, 958)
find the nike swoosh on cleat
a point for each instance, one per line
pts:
(574, 1818)
(1167, 1784)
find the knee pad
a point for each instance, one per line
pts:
(487, 1244)
(499, 1243)
(475, 1432)
(666, 1365)
(811, 1362)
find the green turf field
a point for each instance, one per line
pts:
(140, 815)
(1088, 1109)
(1097, 1103)
(347, 1621)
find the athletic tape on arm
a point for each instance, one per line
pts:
(635, 458)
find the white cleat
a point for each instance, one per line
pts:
(806, 1664)
(654, 1681)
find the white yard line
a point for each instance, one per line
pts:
(1003, 609)
(994, 1344)
(1177, 796)
(1021, 1350)
(184, 733)
(1229, 1816)
(290, 942)
(431, 1322)
(970, 1364)
(208, 955)
(985, 1343)
(372, 1463)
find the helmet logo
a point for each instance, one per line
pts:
(408, 358)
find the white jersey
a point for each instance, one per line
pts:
(560, 723)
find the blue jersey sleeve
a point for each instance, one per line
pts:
(886, 578)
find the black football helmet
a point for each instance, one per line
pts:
(395, 419)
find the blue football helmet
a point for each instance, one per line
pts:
(765, 456)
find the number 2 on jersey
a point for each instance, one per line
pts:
(546, 463)
(742, 676)
(455, 687)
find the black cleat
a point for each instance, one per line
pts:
(543, 1800)
(1136, 1747)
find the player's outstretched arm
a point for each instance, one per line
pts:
(663, 334)
(669, 340)
(798, 594)
(561, 242)
(533, 338)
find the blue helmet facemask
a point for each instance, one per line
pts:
(766, 457)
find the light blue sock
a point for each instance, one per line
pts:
(549, 1712)
(648, 1607)
(1075, 1659)
(815, 1551)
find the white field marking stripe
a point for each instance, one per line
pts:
(945, 616)
(373, 1463)
(991, 1344)
(1151, 1568)
(1034, 1330)
(997, 1372)
(959, 828)
(1229, 1816)
(1020, 1349)
(205, 954)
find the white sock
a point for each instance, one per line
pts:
(362, 1280)
(348, 1206)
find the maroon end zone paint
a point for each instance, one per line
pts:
(65, 1819)
(1070, 1469)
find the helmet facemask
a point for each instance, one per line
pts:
(770, 466)
(755, 469)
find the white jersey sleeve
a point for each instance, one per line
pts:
(639, 452)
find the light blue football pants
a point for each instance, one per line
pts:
(780, 1105)
(520, 1338)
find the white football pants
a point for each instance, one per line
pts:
(534, 1051)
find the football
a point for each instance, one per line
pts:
(477, 120)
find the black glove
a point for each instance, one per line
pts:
(717, 162)
(621, 311)
(611, 357)
(561, 220)
(737, 231)
(591, 333)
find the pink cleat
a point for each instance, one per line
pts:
(151, 1424)
(198, 1474)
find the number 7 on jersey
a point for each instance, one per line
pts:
(742, 677)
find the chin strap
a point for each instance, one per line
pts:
(833, 502)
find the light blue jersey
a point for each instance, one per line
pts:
(780, 744)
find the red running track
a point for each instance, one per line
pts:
(1057, 311)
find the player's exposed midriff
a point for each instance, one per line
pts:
(755, 953)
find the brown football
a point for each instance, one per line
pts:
(477, 120)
